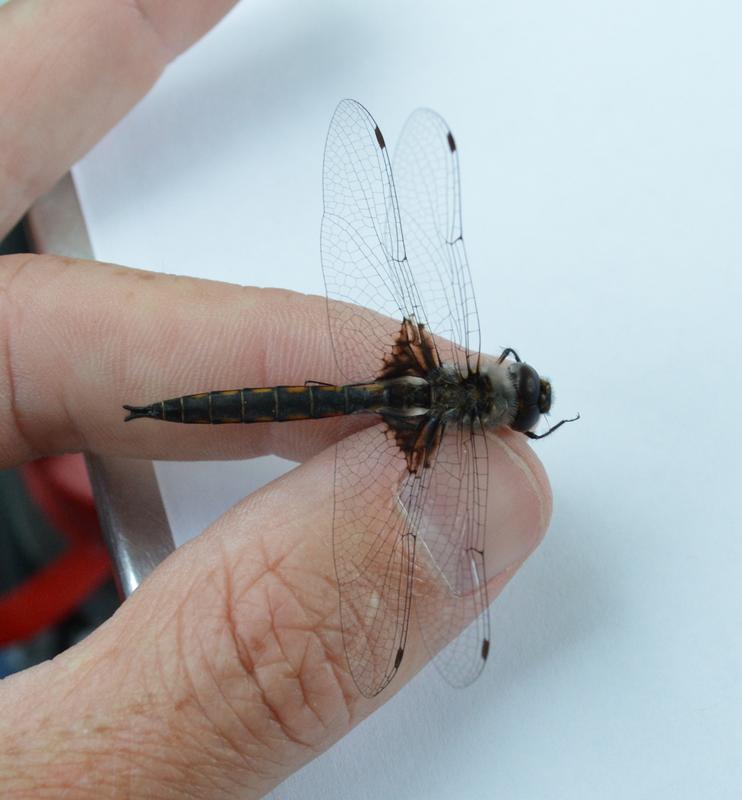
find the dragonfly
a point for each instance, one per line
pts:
(410, 488)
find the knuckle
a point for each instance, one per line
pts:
(13, 425)
(30, 357)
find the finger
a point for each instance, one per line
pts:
(71, 71)
(80, 339)
(225, 671)
(83, 338)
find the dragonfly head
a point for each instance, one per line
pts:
(532, 393)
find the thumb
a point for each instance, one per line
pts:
(226, 671)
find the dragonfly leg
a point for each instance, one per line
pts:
(508, 351)
(532, 435)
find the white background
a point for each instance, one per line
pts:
(600, 150)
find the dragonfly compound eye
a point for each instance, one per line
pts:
(528, 391)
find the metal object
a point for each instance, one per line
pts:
(419, 470)
(126, 493)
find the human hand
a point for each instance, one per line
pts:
(225, 671)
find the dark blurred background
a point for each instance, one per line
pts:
(55, 576)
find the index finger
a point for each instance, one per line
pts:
(79, 339)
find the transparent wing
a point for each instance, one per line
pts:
(380, 505)
(451, 599)
(374, 553)
(396, 533)
(428, 186)
(363, 254)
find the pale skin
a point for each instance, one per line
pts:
(225, 671)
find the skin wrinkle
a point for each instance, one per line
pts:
(275, 632)
(335, 660)
(267, 573)
(186, 740)
(179, 649)
(197, 768)
(187, 748)
(131, 752)
(303, 662)
(181, 617)
(318, 624)
(286, 729)
(312, 635)
(320, 618)
(203, 708)
(135, 751)
(242, 659)
(252, 762)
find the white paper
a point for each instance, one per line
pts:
(600, 152)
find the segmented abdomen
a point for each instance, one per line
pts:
(270, 404)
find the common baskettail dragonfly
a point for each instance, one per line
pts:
(411, 488)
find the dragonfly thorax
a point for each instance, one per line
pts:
(487, 395)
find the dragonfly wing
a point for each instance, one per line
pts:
(451, 603)
(363, 255)
(374, 551)
(428, 184)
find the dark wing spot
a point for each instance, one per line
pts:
(400, 652)
(485, 649)
(451, 142)
(379, 138)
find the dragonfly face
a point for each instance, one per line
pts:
(422, 468)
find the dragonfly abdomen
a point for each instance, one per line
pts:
(264, 404)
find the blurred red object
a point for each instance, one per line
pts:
(59, 486)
